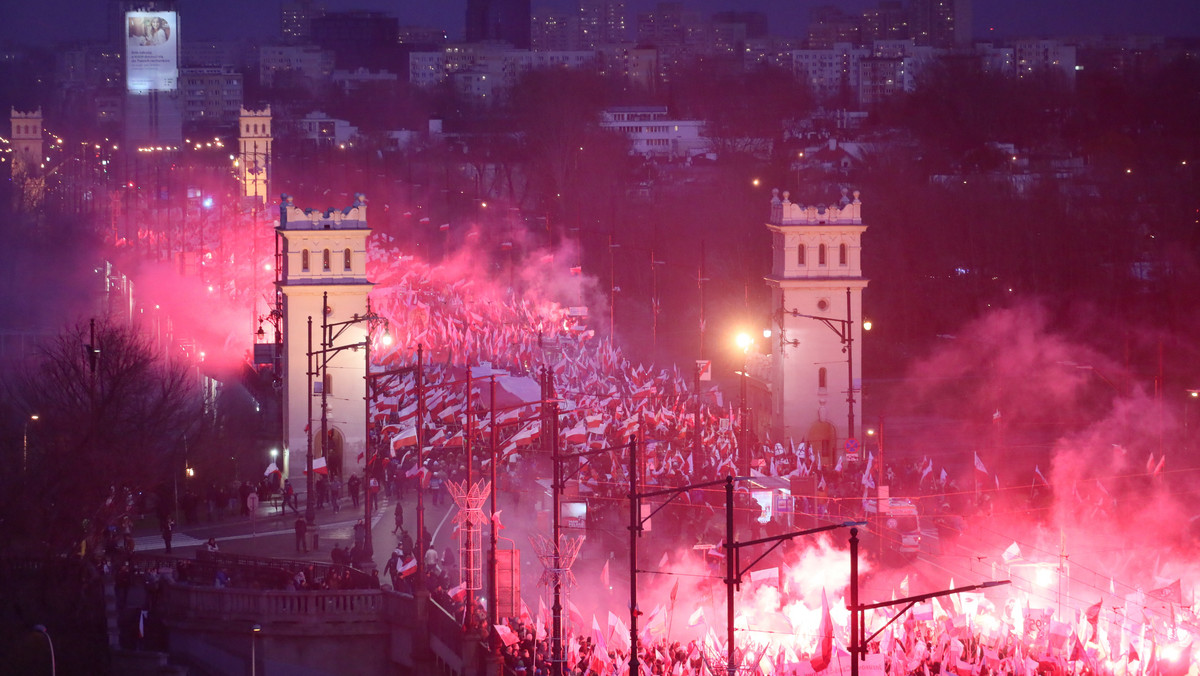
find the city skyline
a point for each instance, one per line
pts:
(56, 21)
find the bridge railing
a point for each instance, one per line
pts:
(265, 606)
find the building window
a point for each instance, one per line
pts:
(800, 254)
(327, 381)
(841, 254)
(325, 265)
(346, 260)
(821, 254)
(821, 378)
(304, 260)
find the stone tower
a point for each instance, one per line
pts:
(254, 159)
(816, 295)
(325, 257)
(28, 179)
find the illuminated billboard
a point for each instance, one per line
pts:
(151, 51)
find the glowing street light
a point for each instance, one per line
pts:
(41, 629)
(744, 341)
(255, 630)
(25, 443)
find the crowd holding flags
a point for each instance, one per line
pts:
(603, 399)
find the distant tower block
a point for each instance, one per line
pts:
(816, 270)
(324, 252)
(255, 147)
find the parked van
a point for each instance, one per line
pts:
(899, 526)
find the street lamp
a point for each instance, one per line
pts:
(41, 629)
(254, 631)
(25, 444)
(1187, 409)
(330, 332)
(744, 341)
(844, 328)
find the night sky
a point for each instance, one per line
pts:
(50, 21)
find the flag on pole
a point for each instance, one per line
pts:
(979, 466)
(820, 660)
(604, 582)
(1172, 593)
(1012, 553)
(1093, 617)
(598, 637)
(408, 568)
(507, 636)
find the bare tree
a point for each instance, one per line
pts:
(114, 414)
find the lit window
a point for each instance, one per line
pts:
(325, 261)
(346, 260)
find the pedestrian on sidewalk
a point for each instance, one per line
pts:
(301, 532)
(168, 531)
(335, 493)
(352, 486)
(290, 499)
(399, 518)
(373, 493)
(360, 533)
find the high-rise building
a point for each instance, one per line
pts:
(601, 22)
(886, 21)
(499, 20)
(553, 30)
(360, 39)
(830, 26)
(295, 20)
(940, 23)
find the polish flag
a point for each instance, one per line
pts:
(507, 636)
(820, 661)
(408, 568)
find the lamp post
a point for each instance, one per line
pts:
(254, 632)
(41, 629)
(744, 341)
(330, 332)
(25, 444)
(1187, 409)
(844, 328)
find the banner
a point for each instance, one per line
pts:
(151, 52)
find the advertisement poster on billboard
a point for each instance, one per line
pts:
(151, 51)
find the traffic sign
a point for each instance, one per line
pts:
(704, 368)
(852, 450)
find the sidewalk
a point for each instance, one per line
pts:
(270, 533)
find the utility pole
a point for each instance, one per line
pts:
(421, 471)
(556, 638)
(730, 576)
(635, 531)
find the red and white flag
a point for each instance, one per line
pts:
(507, 636)
(408, 568)
(824, 652)
(979, 466)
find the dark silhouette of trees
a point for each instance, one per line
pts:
(114, 413)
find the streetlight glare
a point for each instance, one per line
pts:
(744, 341)
(867, 325)
(386, 339)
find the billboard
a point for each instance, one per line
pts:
(151, 52)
